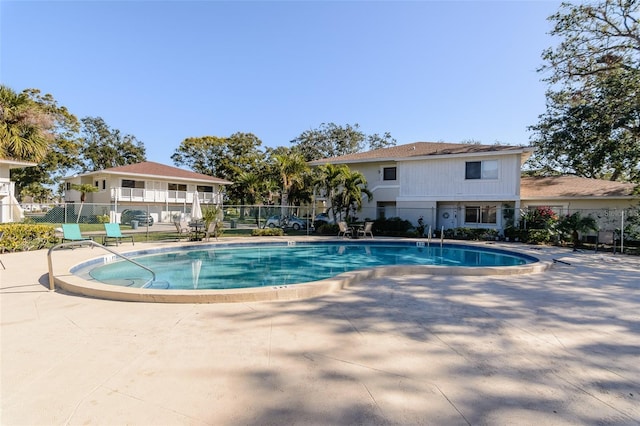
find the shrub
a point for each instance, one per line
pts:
(516, 234)
(267, 232)
(103, 218)
(25, 237)
(475, 234)
(539, 218)
(571, 226)
(327, 229)
(393, 226)
(539, 236)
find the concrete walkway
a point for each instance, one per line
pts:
(554, 348)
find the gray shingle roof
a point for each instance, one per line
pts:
(572, 186)
(150, 168)
(417, 149)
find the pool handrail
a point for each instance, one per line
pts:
(93, 244)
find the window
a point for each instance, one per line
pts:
(389, 173)
(473, 170)
(487, 169)
(480, 214)
(177, 187)
(204, 188)
(104, 184)
(96, 184)
(68, 186)
(128, 183)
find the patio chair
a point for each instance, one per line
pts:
(344, 230)
(71, 232)
(114, 233)
(183, 228)
(366, 230)
(211, 230)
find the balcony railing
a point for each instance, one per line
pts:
(162, 196)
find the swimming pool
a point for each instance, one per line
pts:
(242, 266)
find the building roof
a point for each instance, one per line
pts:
(540, 187)
(156, 170)
(13, 164)
(420, 149)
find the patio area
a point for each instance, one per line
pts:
(553, 348)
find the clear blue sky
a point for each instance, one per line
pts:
(167, 70)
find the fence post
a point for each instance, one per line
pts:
(622, 233)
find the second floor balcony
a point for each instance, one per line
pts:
(160, 196)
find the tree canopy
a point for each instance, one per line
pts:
(331, 140)
(31, 123)
(103, 147)
(592, 123)
(223, 157)
(33, 127)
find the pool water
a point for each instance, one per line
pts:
(275, 265)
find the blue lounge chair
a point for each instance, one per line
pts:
(71, 232)
(114, 233)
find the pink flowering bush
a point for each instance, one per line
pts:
(540, 218)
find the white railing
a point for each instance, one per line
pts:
(156, 196)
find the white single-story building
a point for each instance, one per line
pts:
(605, 200)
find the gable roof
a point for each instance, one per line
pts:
(541, 187)
(152, 169)
(416, 150)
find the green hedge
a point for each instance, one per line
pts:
(25, 237)
(475, 234)
(267, 232)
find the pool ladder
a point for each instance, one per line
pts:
(92, 244)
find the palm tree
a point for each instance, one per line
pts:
(25, 128)
(252, 186)
(329, 178)
(355, 184)
(83, 188)
(291, 168)
(576, 223)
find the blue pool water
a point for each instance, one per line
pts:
(261, 265)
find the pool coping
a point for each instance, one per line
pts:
(77, 285)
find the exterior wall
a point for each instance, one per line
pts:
(155, 191)
(444, 179)
(437, 189)
(10, 209)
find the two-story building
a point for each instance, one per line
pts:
(165, 191)
(449, 185)
(10, 210)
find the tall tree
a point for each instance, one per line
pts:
(331, 140)
(376, 141)
(222, 157)
(329, 179)
(104, 147)
(292, 168)
(592, 123)
(349, 197)
(33, 127)
(25, 127)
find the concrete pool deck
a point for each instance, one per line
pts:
(552, 348)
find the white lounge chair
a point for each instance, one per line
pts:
(368, 226)
(344, 230)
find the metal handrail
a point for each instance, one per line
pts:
(93, 244)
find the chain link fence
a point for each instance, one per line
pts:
(613, 226)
